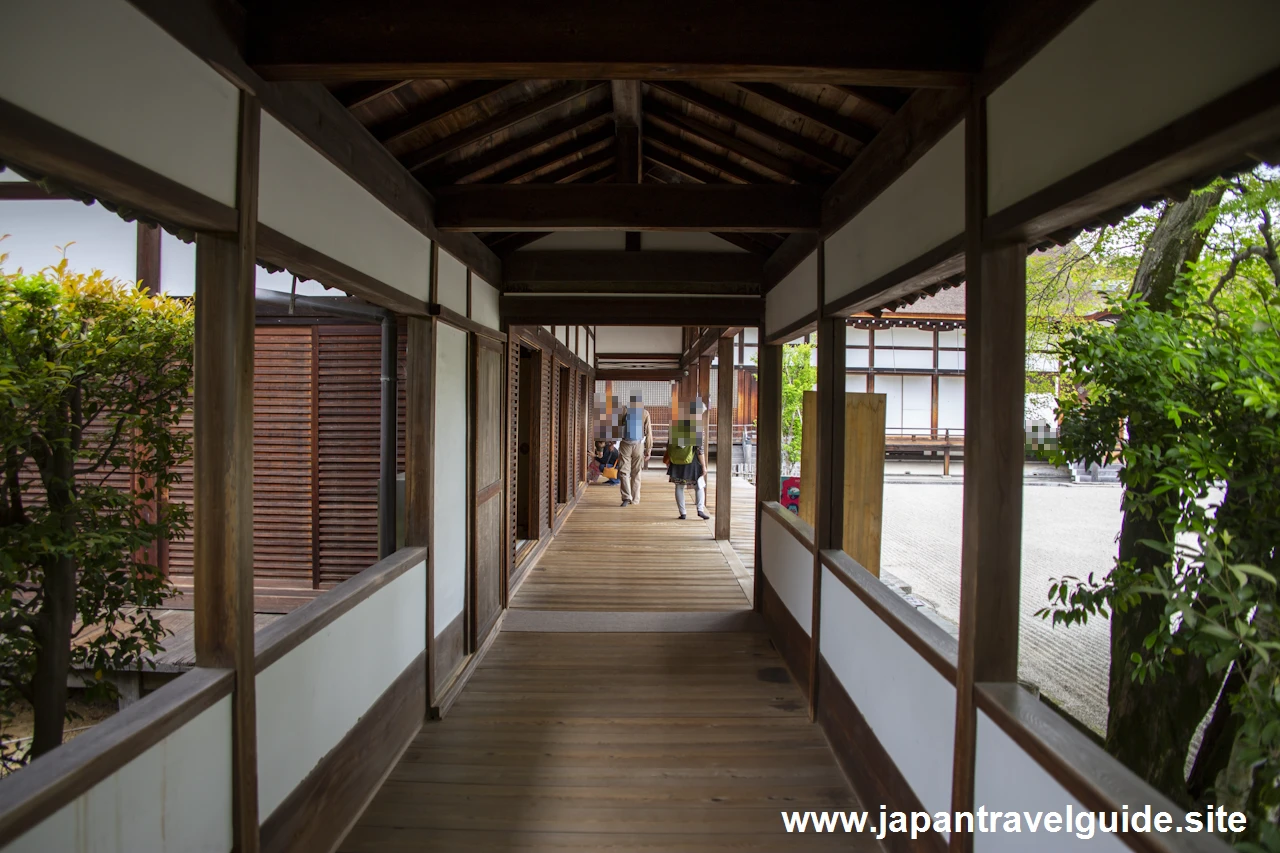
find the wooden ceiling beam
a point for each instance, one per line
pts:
(416, 160)
(583, 144)
(352, 95)
(574, 169)
(520, 309)
(654, 154)
(849, 128)
(673, 143)
(924, 43)
(633, 272)
(883, 102)
(626, 207)
(754, 243)
(786, 169)
(457, 172)
(504, 242)
(394, 129)
(754, 123)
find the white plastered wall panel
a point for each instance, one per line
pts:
(793, 297)
(591, 351)
(917, 213)
(451, 283)
(450, 476)
(92, 236)
(639, 339)
(173, 798)
(484, 303)
(877, 669)
(309, 699)
(81, 65)
(1101, 85)
(685, 241)
(788, 566)
(1007, 779)
(598, 240)
(304, 196)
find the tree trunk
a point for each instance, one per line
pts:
(57, 614)
(1150, 725)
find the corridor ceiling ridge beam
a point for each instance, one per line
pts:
(519, 309)
(573, 271)
(804, 40)
(623, 207)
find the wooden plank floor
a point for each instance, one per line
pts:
(619, 742)
(642, 557)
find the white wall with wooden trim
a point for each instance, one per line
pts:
(918, 212)
(654, 340)
(173, 798)
(600, 240)
(788, 566)
(1122, 70)
(877, 668)
(304, 196)
(449, 508)
(451, 282)
(1008, 779)
(309, 699)
(484, 303)
(143, 96)
(793, 297)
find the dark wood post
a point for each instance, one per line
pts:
(829, 479)
(724, 438)
(147, 273)
(387, 438)
(995, 380)
(768, 444)
(223, 500)
(419, 446)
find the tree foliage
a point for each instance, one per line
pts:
(1185, 390)
(94, 375)
(798, 375)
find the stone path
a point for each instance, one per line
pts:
(1067, 530)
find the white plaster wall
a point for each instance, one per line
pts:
(591, 351)
(1122, 70)
(484, 303)
(879, 671)
(793, 297)
(304, 196)
(94, 237)
(451, 283)
(918, 212)
(603, 240)
(685, 241)
(84, 64)
(450, 476)
(173, 798)
(309, 699)
(638, 339)
(1007, 779)
(788, 566)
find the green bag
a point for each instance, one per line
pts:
(680, 455)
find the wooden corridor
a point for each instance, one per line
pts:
(607, 558)
(619, 742)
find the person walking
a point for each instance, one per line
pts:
(633, 452)
(686, 468)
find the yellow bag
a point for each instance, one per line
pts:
(609, 473)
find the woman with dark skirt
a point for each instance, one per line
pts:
(686, 468)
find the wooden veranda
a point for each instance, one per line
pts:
(530, 188)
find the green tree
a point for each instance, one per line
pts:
(94, 375)
(1185, 382)
(798, 375)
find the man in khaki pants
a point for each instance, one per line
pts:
(637, 441)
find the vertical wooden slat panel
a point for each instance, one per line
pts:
(350, 401)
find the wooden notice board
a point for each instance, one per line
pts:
(863, 473)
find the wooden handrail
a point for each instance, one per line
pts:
(288, 632)
(50, 783)
(1098, 781)
(929, 641)
(792, 523)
